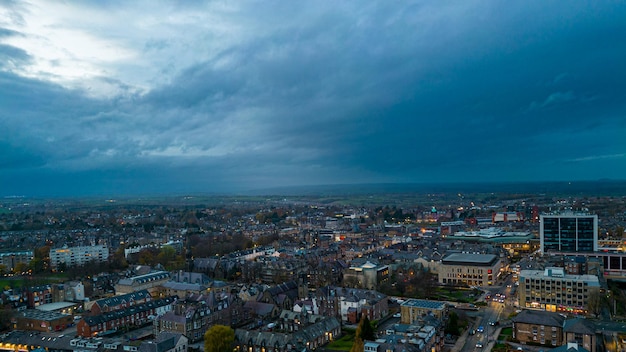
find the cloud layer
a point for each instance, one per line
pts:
(158, 97)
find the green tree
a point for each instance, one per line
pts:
(452, 327)
(166, 255)
(20, 268)
(367, 331)
(219, 338)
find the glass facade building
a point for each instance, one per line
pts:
(568, 233)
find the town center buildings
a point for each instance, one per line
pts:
(470, 269)
(553, 290)
(568, 232)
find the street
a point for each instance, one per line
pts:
(495, 311)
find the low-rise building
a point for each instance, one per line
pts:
(193, 315)
(413, 310)
(538, 327)
(151, 282)
(37, 320)
(581, 331)
(120, 302)
(129, 318)
(350, 304)
(39, 295)
(295, 332)
(367, 275)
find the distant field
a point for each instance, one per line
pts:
(351, 194)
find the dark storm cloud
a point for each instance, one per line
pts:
(293, 93)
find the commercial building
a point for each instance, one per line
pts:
(78, 256)
(552, 290)
(568, 233)
(37, 320)
(469, 269)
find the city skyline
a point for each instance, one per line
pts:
(162, 98)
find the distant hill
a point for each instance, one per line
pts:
(582, 188)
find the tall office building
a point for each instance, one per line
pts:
(568, 233)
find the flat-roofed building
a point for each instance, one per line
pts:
(469, 269)
(11, 259)
(78, 256)
(413, 310)
(37, 320)
(568, 232)
(553, 290)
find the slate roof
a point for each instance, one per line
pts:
(297, 339)
(142, 279)
(580, 326)
(173, 317)
(117, 300)
(353, 294)
(260, 308)
(539, 318)
(569, 348)
(103, 318)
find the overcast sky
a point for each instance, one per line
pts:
(132, 97)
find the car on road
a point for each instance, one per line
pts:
(472, 332)
(480, 329)
(493, 323)
(479, 345)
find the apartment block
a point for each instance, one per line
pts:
(78, 256)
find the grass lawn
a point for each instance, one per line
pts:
(506, 332)
(21, 281)
(500, 347)
(343, 344)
